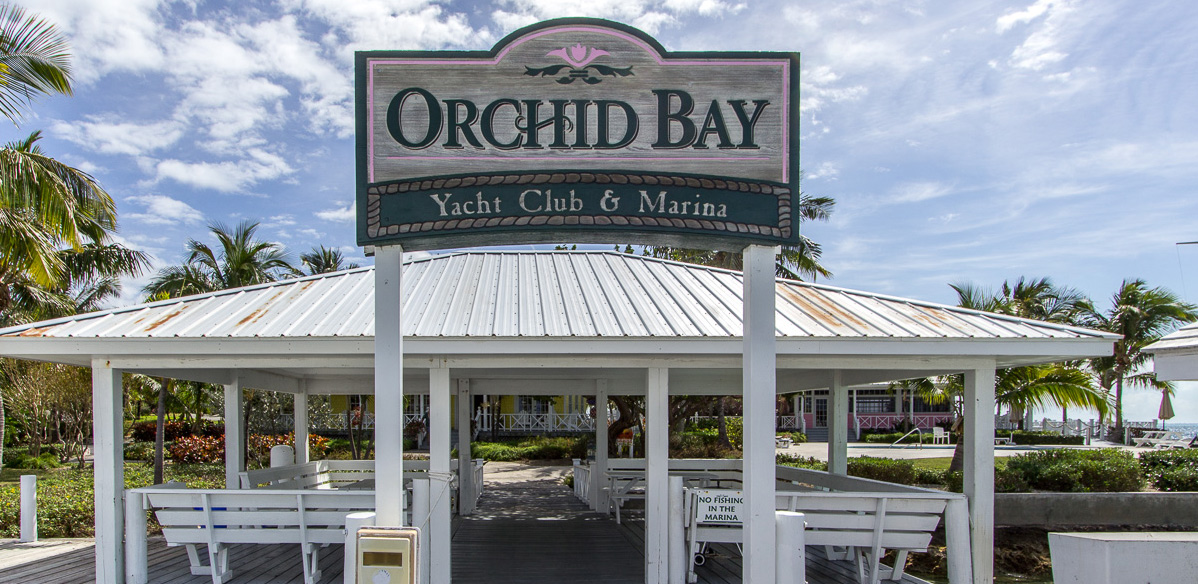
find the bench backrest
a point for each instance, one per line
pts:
(258, 516)
(322, 474)
(892, 521)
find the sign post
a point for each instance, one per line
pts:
(582, 131)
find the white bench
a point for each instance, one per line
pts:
(216, 518)
(866, 525)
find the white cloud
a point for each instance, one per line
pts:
(163, 210)
(339, 214)
(825, 170)
(1041, 48)
(390, 24)
(226, 176)
(918, 192)
(1009, 20)
(107, 35)
(109, 135)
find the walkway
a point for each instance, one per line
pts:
(530, 528)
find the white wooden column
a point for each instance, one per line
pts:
(599, 470)
(979, 468)
(838, 426)
(657, 469)
(388, 387)
(760, 396)
(108, 445)
(301, 423)
(438, 465)
(466, 494)
(234, 433)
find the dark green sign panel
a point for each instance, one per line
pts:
(577, 130)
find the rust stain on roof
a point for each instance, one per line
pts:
(33, 332)
(165, 319)
(261, 311)
(823, 310)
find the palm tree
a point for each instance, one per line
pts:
(1142, 315)
(33, 61)
(322, 260)
(794, 262)
(240, 260)
(1022, 388)
(46, 206)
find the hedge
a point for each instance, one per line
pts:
(1071, 471)
(536, 448)
(1171, 470)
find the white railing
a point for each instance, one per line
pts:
(338, 422)
(582, 480)
(527, 422)
(787, 423)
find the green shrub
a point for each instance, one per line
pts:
(535, 448)
(1171, 470)
(954, 481)
(140, 451)
(736, 432)
(699, 444)
(1076, 471)
(883, 469)
(810, 462)
(66, 499)
(929, 476)
(1008, 480)
(1181, 478)
(43, 461)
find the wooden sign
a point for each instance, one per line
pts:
(577, 130)
(719, 506)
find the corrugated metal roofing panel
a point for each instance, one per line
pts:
(1185, 337)
(537, 294)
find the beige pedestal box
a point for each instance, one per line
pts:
(387, 556)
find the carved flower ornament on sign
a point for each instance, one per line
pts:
(579, 58)
(620, 141)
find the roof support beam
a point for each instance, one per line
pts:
(979, 467)
(388, 385)
(758, 370)
(107, 426)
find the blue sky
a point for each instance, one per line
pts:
(963, 141)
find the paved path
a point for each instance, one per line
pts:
(530, 528)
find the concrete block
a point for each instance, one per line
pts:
(1124, 558)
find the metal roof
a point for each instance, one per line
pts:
(541, 294)
(1181, 339)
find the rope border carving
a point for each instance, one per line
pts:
(375, 194)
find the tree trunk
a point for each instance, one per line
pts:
(957, 464)
(1119, 406)
(722, 425)
(245, 427)
(163, 385)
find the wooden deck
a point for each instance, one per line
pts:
(53, 562)
(532, 531)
